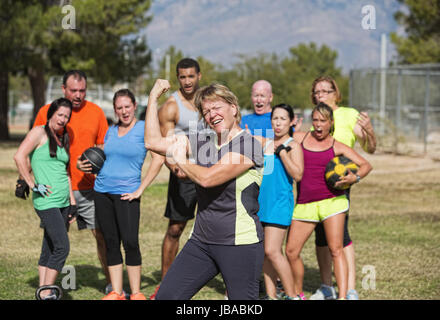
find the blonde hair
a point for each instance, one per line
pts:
(327, 113)
(216, 91)
(332, 83)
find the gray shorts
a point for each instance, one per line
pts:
(86, 209)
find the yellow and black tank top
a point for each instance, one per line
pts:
(227, 214)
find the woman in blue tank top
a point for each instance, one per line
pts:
(283, 163)
(118, 188)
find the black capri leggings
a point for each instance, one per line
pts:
(118, 221)
(55, 247)
(197, 263)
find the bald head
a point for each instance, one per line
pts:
(262, 96)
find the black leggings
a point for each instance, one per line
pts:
(199, 262)
(119, 221)
(55, 247)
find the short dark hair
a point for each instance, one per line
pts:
(187, 63)
(77, 74)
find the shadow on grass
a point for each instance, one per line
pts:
(155, 279)
(312, 281)
(88, 276)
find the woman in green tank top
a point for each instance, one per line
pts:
(42, 160)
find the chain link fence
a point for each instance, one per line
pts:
(404, 104)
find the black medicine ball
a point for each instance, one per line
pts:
(96, 157)
(338, 167)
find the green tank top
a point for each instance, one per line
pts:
(52, 172)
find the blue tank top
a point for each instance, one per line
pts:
(122, 169)
(276, 192)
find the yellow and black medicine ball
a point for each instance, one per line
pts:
(338, 167)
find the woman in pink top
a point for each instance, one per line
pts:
(316, 202)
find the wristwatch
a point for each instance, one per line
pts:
(358, 178)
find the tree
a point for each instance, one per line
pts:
(422, 27)
(102, 42)
(13, 51)
(305, 63)
(291, 77)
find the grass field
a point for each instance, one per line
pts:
(394, 221)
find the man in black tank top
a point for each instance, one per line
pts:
(174, 116)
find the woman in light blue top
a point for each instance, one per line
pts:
(118, 188)
(283, 163)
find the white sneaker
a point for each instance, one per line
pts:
(352, 295)
(324, 293)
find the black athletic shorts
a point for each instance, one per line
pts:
(321, 240)
(182, 199)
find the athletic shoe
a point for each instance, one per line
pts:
(109, 288)
(114, 296)
(286, 297)
(324, 293)
(153, 296)
(51, 296)
(137, 296)
(279, 286)
(302, 296)
(352, 295)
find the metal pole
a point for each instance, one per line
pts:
(399, 100)
(398, 123)
(350, 93)
(383, 62)
(374, 91)
(425, 115)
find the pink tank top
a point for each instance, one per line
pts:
(312, 186)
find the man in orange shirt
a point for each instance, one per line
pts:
(87, 128)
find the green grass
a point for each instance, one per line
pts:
(394, 221)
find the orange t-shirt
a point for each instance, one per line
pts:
(87, 127)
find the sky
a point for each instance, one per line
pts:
(219, 30)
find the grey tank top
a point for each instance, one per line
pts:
(187, 119)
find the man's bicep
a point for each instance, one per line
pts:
(167, 118)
